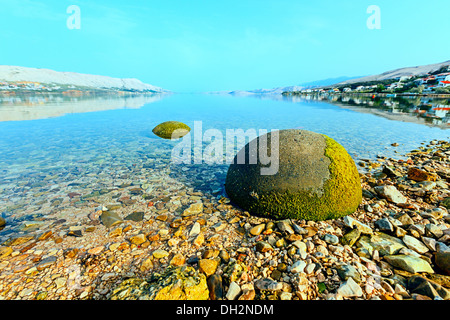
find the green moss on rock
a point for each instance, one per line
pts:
(339, 195)
(171, 130)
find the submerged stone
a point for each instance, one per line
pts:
(2, 222)
(316, 177)
(171, 130)
(135, 216)
(110, 218)
(5, 251)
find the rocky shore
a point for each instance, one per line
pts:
(149, 234)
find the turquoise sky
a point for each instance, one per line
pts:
(207, 45)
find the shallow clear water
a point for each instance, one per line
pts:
(90, 135)
(46, 154)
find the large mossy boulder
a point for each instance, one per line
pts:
(171, 130)
(316, 179)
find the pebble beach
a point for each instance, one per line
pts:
(142, 228)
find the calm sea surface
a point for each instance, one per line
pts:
(47, 144)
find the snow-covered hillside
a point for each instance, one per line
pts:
(397, 73)
(15, 73)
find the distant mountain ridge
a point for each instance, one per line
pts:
(401, 72)
(326, 82)
(280, 90)
(47, 76)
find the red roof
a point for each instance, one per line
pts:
(446, 82)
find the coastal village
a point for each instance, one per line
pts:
(431, 83)
(29, 86)
(426, 96)
(14, 88)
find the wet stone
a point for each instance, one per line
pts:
(268, 284)
(45, 263)
(135, 216)
(409, 263)
(391, 194)
(208, 266)
(384, 225)
(233, 291)
(5, 251)
(349, 289)
(215, 287)
(351, 237)
(433, 230)
(110, 218)
(348, 271)
(138, 239)
(331, 238)
(193, 209)
(257, 229)
(75, 233)
(263, 246)
(414, 244)
(285, 226)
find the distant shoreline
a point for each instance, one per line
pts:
(369, 94)
(79, 93)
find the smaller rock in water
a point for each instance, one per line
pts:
(138, 239)
(45, 263)
(171, 130)
(195, 231)
(135, 216)
(160, 253)
(110, 218)
(5, 251)
(2, 222)
(194, 208)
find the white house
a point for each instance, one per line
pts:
(443, 79)
(405, 78)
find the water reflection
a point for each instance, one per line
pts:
(32, 107)
(422, 110)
